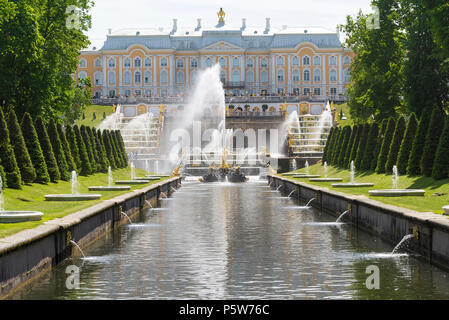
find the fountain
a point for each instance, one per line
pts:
(129, 219)
(134, 180)
(75, 195)
(76, 245)
(305, 175)
(110, 187)
(325, 179)
(16, 216)
(402, 242)
(352, 183)
(396, 192)
(291, 193)
(341, 216)
(307, 206)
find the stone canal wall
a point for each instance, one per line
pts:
(27, 254)
(389, 222)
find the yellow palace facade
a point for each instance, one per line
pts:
(254, 61)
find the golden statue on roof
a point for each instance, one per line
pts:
(221, 14)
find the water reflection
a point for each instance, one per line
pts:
(231, 241)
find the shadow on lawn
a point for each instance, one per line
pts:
(427, 183)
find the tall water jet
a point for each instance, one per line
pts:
(352, 183)
(395, 177)
(75, 195)
(395, 191)
(133, 171)
(402, 242)
(1, 194)
(352, 174)
(325, 169)
(341, 216)
(110, 187)
(75, 185)
(110, 177)
(307, 167)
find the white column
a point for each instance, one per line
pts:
(324, 74)
(120, 69)
(256, 73)
(340, 71)
(273, 73)
(187, 78)
(105, 84)
(172, 73)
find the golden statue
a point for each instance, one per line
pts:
(221, 14)
(224, 164)
(175, 172)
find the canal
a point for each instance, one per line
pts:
(239, 241)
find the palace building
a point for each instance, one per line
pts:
(307, 61)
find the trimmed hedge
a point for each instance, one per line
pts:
(65, 145)
(58, 151)
(370, 146)
(47, 150)
(73, 144)
(27, 171)
(346, 136)
(108, 147)
(355, 146)
(379, 142)
(326, 148)
(436, 126)
(102, 157)
(395, 145)
(84, 168)
(414, 161)
(337, 148)
(333, 145)
(441, 164)
(122, 147)
(12, 178)
(406, 145)
(386, 142)
(34, 149)
(93, 143)
(118, 160)
(89, 150)
(362, 145)
(2, 175)
(349, 146)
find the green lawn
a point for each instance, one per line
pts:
(31, 198)
(346, 114)
(88, 121)
(428, 203)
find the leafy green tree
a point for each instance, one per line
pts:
(436, 126)
(395, 145)
(84, 168)
(406, 145)
(347, 135)
(47, 150)
(441, 164)
(27, 171)
(326, 148)
(414, 161)
(7, 158)
(58, 151)
(362, 145)
(383, 154)
(379, 142)
(108, 147)
(73, 144)
(348, 150)
(65, 145)
(89, 149)
(370, 147)
(34, 149)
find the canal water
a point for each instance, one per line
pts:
(239, 241)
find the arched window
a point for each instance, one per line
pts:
(98, 63)
(250, 63)
(179, 63)
(137, 77)
(347, 60)
(127, 63)
(236, 76)
(250, 76)
(280, 61)
(264, 63)
(111, 77)
(193, 77)
(347, 75)
(82, 75)
(194, 63)
(98, 78)
(222, 62)
(281, 76)
(306, 61)
(127, 77)
(111, 63)
(236, 62)
(316, 61)
(148, 77)
(333, 75)
(264, 76)
(180, 77)
(317, 75)
(83, 63)
(209, 62)
(223, 76)
(333, 61)
(306, 76)
(147, 62)
(295, 61)
(295, 76)
(137, 63)
(164, 62)
(164, 77)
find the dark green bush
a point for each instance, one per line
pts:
(379, 142)
(47, 150)
(414, 161)
(58, 151)
(371, 142)
(406, 145)
(73, 144)
(108, 147)
(102, 157)
(395, 145)
(84, 168)
(441, 164)
(89, 150)
(386, 142)
(65, 145)
(362, 145)
(349, 147)
(346, 136)
(7, 158)
(436, 126)
(326, 148)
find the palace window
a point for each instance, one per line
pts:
(316, 61)
(137, 77)
(147, 62)
(295, 61)
(333, 75)
(306, 76)
(223, 76)
(148, 93)
(306, 91)
(250, 76)
(250, 63)
(236, 62)
(111, 77)
(180, 77)
(333, 61)
(111, 63)
(306, 61)
(82, 75)
(127, 63)
(164, 62)
(333, 91)
(164, 77)
(347, 60)
(127, 77)
(83, 63)
(209, 62)
(193, 77)
(281, 76)
(97, 78)
(147, 77)
(222, 62)
(236, 76)
(137, 63)
(138, 93)
(280, 61)
(98, 63)
(317, 91)
(295, 76)
(347, 75)
(127, 92)
(264, 76)
(180, 63)
(264, 63)
(111, 93)
(317, 75)
(194, 63)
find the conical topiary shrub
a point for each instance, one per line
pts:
(58, 151)
(7, 158)
(346, 136)
(34, 149)
(333, 145)
(414, 161)
(73, 145)
(355, 146)
(23, 159)
(93, 143)
(326, 148)
(85, 168)
(395, 145)
(118, 160)
(2, 175)
(122, 147)
(406, 145)
(65, 145)
(441, 164)
(47, 150)
(436, 126)
(369, 147)
(349, 146)
(379, 142)
(337, 149)
(108, 147)
(362, 145)
(383, 154)
(102, 157)
(89, 150)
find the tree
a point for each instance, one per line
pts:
(122, 147)
(47, 150)
(370, 147)
(332, 146)
(414, 161)
(395, 145)
(383, 154)
(362, 144)
(355, 146)
(58, 151)
(436, 126)
(34, 149)
(65, 145)
(337, 148)
(117, 158)
(406, 145)
(93, 143)
(348, 150)
(326, 148)
(73, 144)
(347, 135)
(3, 177)
(27, 171)
(84, 168)
(7, 158)
(441, 164)
(378, 145)
(108, 147)
(102, 157)
(89, 149)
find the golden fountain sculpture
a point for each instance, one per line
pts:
(175, 172)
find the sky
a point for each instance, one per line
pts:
(120, 14)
